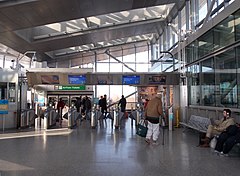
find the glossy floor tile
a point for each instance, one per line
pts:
(108, 152)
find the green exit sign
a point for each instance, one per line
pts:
(82, 87)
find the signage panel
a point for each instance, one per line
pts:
(50, 79)
(130, 79)
(3, 106)
(157, 79)
(82, 87)
(76, 79)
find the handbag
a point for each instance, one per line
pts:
(213, 143)
(142, 128)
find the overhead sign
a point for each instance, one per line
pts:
(3, 106)
(76, 79)
(130, 79)
(81, 87)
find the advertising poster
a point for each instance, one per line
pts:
(50, 79)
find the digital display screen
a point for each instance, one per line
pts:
(76, 79)
(157, 79)
(50, 79)
(130, 79)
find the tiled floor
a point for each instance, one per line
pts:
(106, 152)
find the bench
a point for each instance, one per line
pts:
(197, 123)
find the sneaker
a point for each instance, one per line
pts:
(217, 152)
(147, 141)
(155, 143)
(223, 154)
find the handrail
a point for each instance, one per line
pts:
(118, 100)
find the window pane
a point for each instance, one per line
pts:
(224, 33)
(226, 79)
(205, 44)
(116, 67)
(191, 52)
(131, 101)
(202, 9)
(237, 25)
(129, 67)
(194, 89)
(238, 74)
(207, 83)
(102, 67)
(142, 67)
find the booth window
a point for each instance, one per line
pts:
(3, 90)
(12, 92)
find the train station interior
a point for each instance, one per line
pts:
(59, 60)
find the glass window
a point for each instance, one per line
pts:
(226, 79)
(183, 19)
(142, 67)
(12, 92)
(128, 68)
(116, 67)
(205, 44)
(1, 60)
(102, 90)
(129, 58)
(224, 33)
(127, 90)
(115, 93)
(191, 52)
(142, 57)
(207, 83)
(3, 90)
(193, 86)
(238, 73)
(175, 26)
(202, 9)
(102, 67)
(237, 25)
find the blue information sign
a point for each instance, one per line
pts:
(3, 106)
(76, 79)
(130, 79)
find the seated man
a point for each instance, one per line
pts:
(218, 127)
(228, 139)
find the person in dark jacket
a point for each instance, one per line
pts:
(228, 139)
(100, 103)
(104, 106)
(122, 102)
(78, 103)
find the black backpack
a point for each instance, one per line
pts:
(232, 130)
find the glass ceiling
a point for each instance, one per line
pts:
(108, 21)
(78, 26)
(101, 45)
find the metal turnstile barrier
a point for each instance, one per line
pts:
(116, 119)
(93, 119)
(50, 118)
(27, 118)
(73, 117)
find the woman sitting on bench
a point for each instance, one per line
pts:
(218, 127)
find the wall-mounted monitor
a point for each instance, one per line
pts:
(157, 79)
(50, 79)
(130, 79)
(77, 79)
